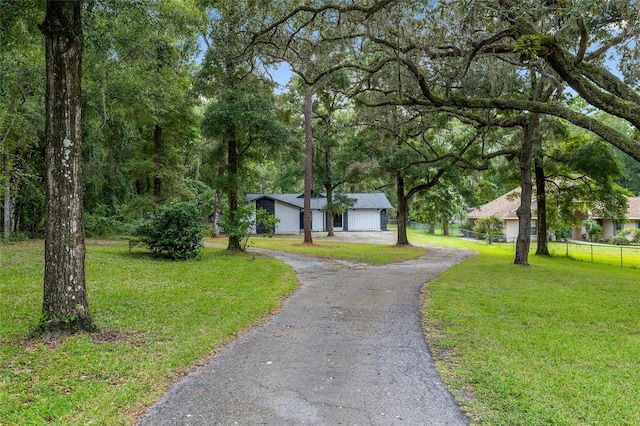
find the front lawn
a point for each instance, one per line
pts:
(157, 319)
(553, 343)
(370, 254)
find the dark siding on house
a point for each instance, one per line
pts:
(270, 207)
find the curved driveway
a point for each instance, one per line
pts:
(346, 349)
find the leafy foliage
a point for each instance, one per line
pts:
(490, 227)
(593, 228)
(175, 230)
(444, 202)
(241, 222)
(267, 221)
(100, 224)
(341, 202)
(627, 236)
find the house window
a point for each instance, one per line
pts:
(617, 227)
(337, 220)
(534, 227)
(637, 223)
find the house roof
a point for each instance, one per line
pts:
(376, 200)
(634, 208)
(503, 207)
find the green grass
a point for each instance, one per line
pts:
(625, 256)
(370, 254)
(156, 318)
(553, 343)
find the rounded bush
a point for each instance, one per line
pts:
(175, 230)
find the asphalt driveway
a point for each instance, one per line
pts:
(346, 349)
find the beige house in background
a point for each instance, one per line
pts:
(505, 206)
(611, 228)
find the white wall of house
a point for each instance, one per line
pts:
(364, 220)
(317, 221)
(510, 229)
(358, 220)
(289, 219)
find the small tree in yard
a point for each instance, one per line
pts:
(593, 228)
(239, 223)
(175, 230)
(489, 227)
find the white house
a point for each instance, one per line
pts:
(369, 212)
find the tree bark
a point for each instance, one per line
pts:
(157, 161)
(445, 228)
(65, 307)
(8, 201)
(330, 224)
(232, 156)
(403, 211)
(541, 195)
(308, 164)
(329, 188)
(523, 242)
(217, 206)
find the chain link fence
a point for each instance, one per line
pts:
(626, 256)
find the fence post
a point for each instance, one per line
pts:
(591, 245)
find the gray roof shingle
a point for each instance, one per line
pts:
(376, 200)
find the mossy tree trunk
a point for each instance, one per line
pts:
(65, 306)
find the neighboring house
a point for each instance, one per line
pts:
(369, 213)
(504, 207)
(611, 228)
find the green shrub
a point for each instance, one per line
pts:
(243, 222)
(620, 240)
(631, 235)
(593, 228)
(14, 237)
(175, 230)
(489, 228)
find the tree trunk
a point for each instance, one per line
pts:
(403, 211)
(8, 201)
(541, 195)
(65, 306)
(217, 206)
(329, 188)
(445, 228)
(523, 242)
(157, 162)
(232, 155)
(329, 213)
(432, 228)
(308, 164)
